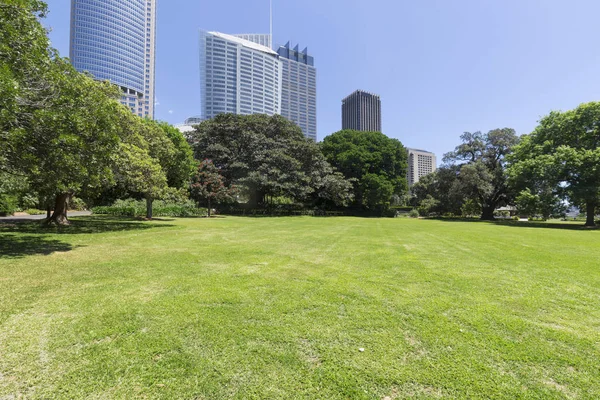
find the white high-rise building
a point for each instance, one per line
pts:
(299, 89)
(238, 76)
(420, 163)
(263, 39)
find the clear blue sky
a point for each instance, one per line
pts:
(441, 67)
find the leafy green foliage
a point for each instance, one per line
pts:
(428, 205)
(137, 208)
(268, 157)
(482, 176)
(8, 204)
(208, 186)
(441, 186)
(376, 164)
(562, 157)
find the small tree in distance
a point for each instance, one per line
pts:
(208, 185)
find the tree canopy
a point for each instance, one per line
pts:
(482, 159)
(266, 157)
(376, 163)
(562, 156)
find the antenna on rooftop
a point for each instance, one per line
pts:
(271, 21)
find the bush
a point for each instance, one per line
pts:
(516, 218)
(8, 204)
(76, 204)
(29, 201)
(414, 213)
(137, 208)
(34, 211)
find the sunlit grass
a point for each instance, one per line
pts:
(279, 308)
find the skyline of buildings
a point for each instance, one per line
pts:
(361, 111)
(241, 73)
(114, 40)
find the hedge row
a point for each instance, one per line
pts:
(159, 209)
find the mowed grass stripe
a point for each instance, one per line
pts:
(279, 307)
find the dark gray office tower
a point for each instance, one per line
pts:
(361, 111)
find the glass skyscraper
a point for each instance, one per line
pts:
(299, 89)
(238, 76)
(114, 40)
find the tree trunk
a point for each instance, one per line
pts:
(149, 201)
(487, 213)
(209, 207)
(61, 205)
(591, 214)
(48, 212)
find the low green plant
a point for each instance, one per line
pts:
(34, 211)
(136, 208)
(8, 204)
(77, 204)
(414, 213)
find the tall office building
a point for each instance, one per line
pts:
(420, 163)
(114, 40)
(263, 39)
(361, 111)
(238, 76)
(299, 89)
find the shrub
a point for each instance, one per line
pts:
(516, 218)
(414, 213)
(34, 211)
(136, 208)
(8, 204)
(29, 201)
(77, 204)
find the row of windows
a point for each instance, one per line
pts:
(115, 32)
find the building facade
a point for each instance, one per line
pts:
(299, 89)
(420, 163)
(189, 124)
(238, 76)
(114, 40)
(264, 39)
(361, 111)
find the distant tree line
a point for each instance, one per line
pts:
(557, 165)
(64, 134)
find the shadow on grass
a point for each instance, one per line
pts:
(81, 225)
(20, 238)
(16, 246)
(524, 224)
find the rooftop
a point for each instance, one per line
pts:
(359, 92)
(244, 42)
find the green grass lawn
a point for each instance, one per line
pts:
(273, 308)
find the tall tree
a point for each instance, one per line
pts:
(25, 57)
(376, 164)
(563, 155)
(440, 186)
(265, 156)
(68, 144)
(153, 159)
(482, 159)
(208, 185)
